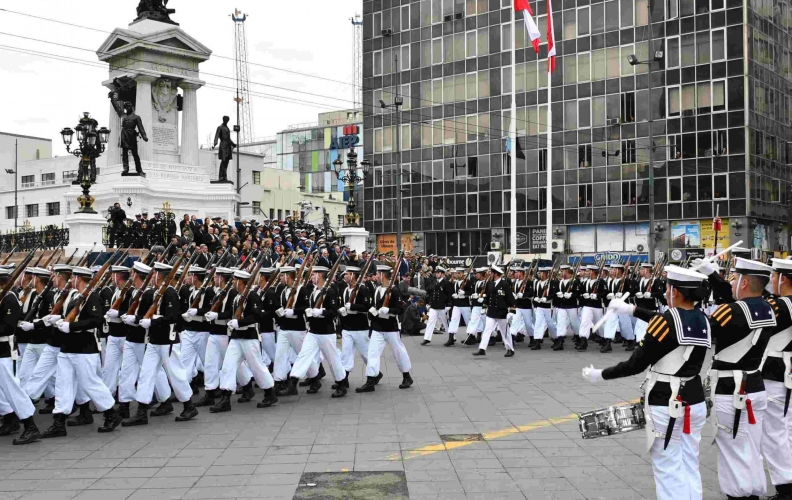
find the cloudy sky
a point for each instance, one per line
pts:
(42, 94)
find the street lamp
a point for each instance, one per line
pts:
(351, 179)
(91, 142)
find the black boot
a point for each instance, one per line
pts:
(451, 340)
(123, 410)
(208, 398)
(469, 340)
(188, 413)
(322, 372)
(112, 419)
(269, 398)
(629, 345)
(140, 418)
(315, 386)
(224, 404)
(305, 383)
(558, 344)
(58, 427)
(582, 345)
(407, 381)
(618, 339)
(480, 352)
(509, 353)
(368, 386)
(10, 424)
(426, 342)
(344, 383)
(520, 337)
(575, 339)
(31, 433)
(537, 345)
(289, 388)
(84, 418)
(163, 409)
(247, 393)
(531, 342)
(378, 378)
(341, 391)
(49, 406)
(606, 346)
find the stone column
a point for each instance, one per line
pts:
(113, 150)
(189, 138)
(143, 108)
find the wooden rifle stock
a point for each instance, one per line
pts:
(328, 281)
(17, 273)
(85, 256)
(244, 295)
(574, 274)
(391, 285)
(68, 262)
(363, 273)
(299, 278)
(551, 277)
(10, 254)
(76, 303)
(165, 283)
(51, 257)
(36, 305)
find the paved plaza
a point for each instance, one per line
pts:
(524, 408)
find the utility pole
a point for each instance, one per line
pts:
(397, 108)
(237, 128)
(651, 143)
(16, 184)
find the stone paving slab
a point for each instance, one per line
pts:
(524, 407)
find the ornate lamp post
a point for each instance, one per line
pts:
(91, 141)
(351, 178)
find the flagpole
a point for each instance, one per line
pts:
(549, 169)
(513, 139)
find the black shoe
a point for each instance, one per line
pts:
(162, 410)
(618, 339)
(368, 386)
(451, 341)
(480, 352)
(123, 410)
(321, 373)
(305, 383)
(289, 388)
(315, 386)
(339, 393)
(491, 342)
(629, 345)
(407, 381)
(112, 419)
(269, 398)
(558, 345)
(247, 393)
(606, 346)
(10, 424)
(378, 378)
(208, 398)
(31, 433)
(470, 340)
(224, 404)
(520, 337)
(84, 418)
(49, 406)
(58, 427)
(426, 342)
(531, 342)
(582, 345)
(342, 383)
(575, 339)
(199, 380)
(94, 410)
(140, 418)
(537, 345)
(509, 354)
(188, 413)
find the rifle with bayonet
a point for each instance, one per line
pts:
(244, 295)
(17, 273)
(68, 262)
(79, 298)
(392, 285)
(84, 257)
(8, 257)
(165, 284)
(574, 274)
(52, 257)
(363, 274)
(300, 278)
(329, 281)
(552, 276)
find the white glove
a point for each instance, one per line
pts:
(343, 311)
(461, 294)
(186, 318)
(289, 313)
(474, 296)
(25, 326)
(233, 324)
(348, 306)
(192, 312)
(585, 296)
(318, 313)
(567, 295)
(480, 300)
(560, 294)
(609, 296)
(279, 312)
(543, 299)
(373, 311)
(383, 312)
(706, 268)
(309, 313)
(619, 295)
(592, 374)
(112, 313)
(129, 319)
(455, 296)
(536, 299)
(621, 307)
(447, 309)
(145, 323)
(639, 295)
(63, 326)
(52, 319)
(519, 295)
(210, 316)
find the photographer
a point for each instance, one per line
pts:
(117, 220)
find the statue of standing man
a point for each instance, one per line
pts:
(131, 126)
(226, 149)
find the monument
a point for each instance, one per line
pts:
(154, 70)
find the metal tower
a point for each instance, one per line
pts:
(245, 112)
(357, 78)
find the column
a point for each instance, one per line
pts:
(143, 108)
(189, 138)
(113, 151)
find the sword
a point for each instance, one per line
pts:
(786, 401)
(738, 412)
(670, 428)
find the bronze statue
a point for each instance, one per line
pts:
(223, 135)
(131, 126)
(156, 10)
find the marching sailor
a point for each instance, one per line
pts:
(354, 320)
(292, 328)
(566, 304)
(617, 286)
(116, 333)
(591, 305)
(523, 319)
(498, 298)
(38, 303)
(195, 334)
(646, 298)
(463, 289)
(438, 303)
(269, 303)
(543, 312)
(674, 402)
(476, 323)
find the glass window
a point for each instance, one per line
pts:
(484, 126)
(471, 86)
(470, 43)
(702, 47)
(598, 112)
(483, 83)
(377, 62)
(570, 115)
(405, 136)
(377, 24)
(570, 69)
(506, 37)
(718, 95)
(675, 189)
(673, 9)
(437, 92)
(583, 21)
(598, 18)
(599, 68)
(437, 51)
(720, 186)
(718, 45)
(626, 67)
(531, 79)
(448, 89)
(377, 140)
(32, 210)
(569, 27)
(584, 113)
(672, 52)
(53, 208)
(437, 132)
(626, 13)
(641, 12)
(472, 203)
(612, 15)
(256, 178)
(482, 45)
(459, 47)
(405, 58)
(704, 97)
(614, 63)
(673, 101)
(688, 51)
(688, 99)
(448, 48)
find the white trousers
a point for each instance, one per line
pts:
(131, 362)
(311, 347)
(676, 469)
(80, 371)
(248, 350)
(588, 318)
(522, 322)
(159, 357)
(268, 346)
(193, 351)
(640, 330)
(567, 318)
(377, 345)
(740, 465)
(493, 324)
(288, 340)
(435, 315)
(476, 323)
(42, 381)
(543, 321)
(12, 397)
(352, 341)
(216, 349)
(456, 314)
(777, 434)
(26, 365)
(113, 356)
(622, 323)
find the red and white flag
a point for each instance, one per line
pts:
(533, 32)
(551, 51)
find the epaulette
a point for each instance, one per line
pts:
(722, 315)
(658, 328)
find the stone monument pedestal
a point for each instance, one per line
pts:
(354, 237)
(85, 233)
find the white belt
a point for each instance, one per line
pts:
(198, 319)
(114, 320)
(221, 322)
(739, 399)
(651, 379)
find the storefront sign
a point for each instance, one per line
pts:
(708, 235)
(532, 240)
(387, 243)
(350, 139)
(686, 234)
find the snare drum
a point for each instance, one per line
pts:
(612, 420)
(594, 423)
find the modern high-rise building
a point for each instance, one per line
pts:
(720, 112)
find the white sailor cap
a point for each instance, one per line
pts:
(141, 268)
(287, 269)
(592, 267)
(96, 269)
(224, 271)
(197, 270)
(440, 269)
(82, 271)
(61, 268)
(37, 271)
(647, 265)
(162, 267)
(617, 265)
(683, 278)
(752, 268)
(544, 268)
(8, 266)
(497, 269)
(242, 275)
(460, 269)
(320, 269)
(740, 250)
(384, 269)
(119, 269)
(565, 266)
(267, 271)
(5, 272)
(482, 269)
(352, 269)
(782, 266)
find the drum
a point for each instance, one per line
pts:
(612, 420)
(594, 423)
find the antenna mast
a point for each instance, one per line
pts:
(357, 78)
(242, 78)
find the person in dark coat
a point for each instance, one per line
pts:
(498, 298)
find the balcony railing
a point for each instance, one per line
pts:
(48, 237)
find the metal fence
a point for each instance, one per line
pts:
(47, 237)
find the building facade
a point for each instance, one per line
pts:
(720, 111)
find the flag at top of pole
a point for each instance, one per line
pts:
(551, 51)
(533, 32)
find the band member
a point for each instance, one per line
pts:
(591, 306)
(621, 321)
(674, 402)
(645, 297)
(438, 301)
(477, 318)
(498, 298)
(117, 332)
(292, 329)
(463, 289)
(354, 320)
(741, 328)
(566, 304)
(385, 330)
(543, 312)
(523, 303)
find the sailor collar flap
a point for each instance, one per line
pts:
(758, 313)
(693, 331)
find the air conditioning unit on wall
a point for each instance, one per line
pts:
(494, 258)
(557, 245)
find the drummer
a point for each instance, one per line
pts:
(673, 349)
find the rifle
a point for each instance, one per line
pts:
(531, 270)
(627, 276)
(552, 276)
(165, 253)
(36, 305)
(5, 261)
(363, 273)
(387, 296)
(330, 278)
(39, 259)
(658, 268)
(299, 278)
(467, 274)
(107, 276)
(51, 257)
(72, 256)
(17, 272)
(133, 307)
(244, 295)
(574, 274)
(599, 277)
(165, 284)
(85, 256)
(201, 291)
(74, 305)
